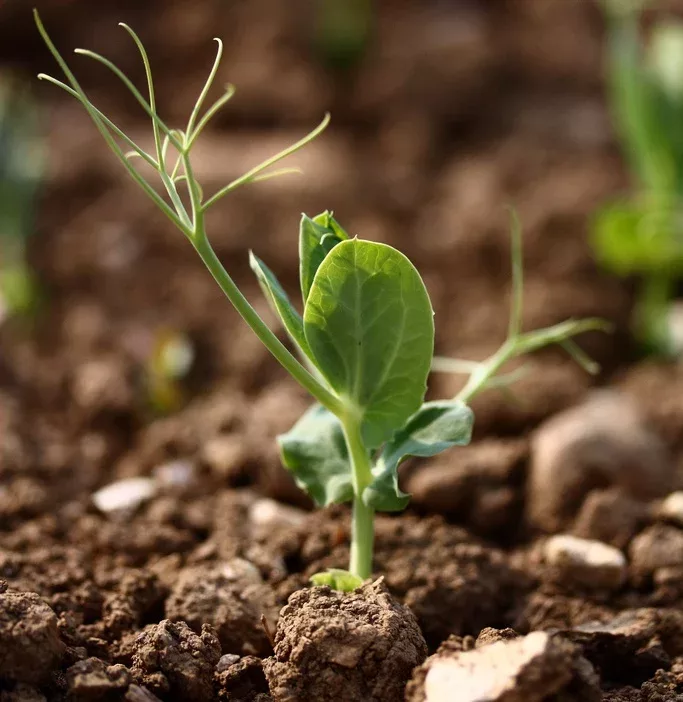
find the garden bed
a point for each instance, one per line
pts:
(179, 596)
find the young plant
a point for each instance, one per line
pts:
(21, 168)
(484, 375)
(642, 235)
(365, 337)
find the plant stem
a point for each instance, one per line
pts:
(486, 370)
(363, 517)
(259, 327)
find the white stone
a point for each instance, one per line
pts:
(672, 507)
(589, 562)
(267, 513)
(124, 495)
(485, 674)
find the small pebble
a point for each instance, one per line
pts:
(124, 495)
(671, 508)
(226, 661)
(269, 514)
(587, 562)
(174, 474)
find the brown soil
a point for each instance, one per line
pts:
(457, 109)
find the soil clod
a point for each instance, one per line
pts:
(355, 646)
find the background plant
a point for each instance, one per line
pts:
(22, 161)
(364, 339)
(642, 235)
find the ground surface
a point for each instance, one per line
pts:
(459, 109)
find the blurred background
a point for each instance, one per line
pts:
(444, 112)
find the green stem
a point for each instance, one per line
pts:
(363, 517)
(480, 377)
(260, 328)
(651, 312)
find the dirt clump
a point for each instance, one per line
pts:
(627, 650)
(29, 637)
(480, 486)
(174, 662)
(351, 646)
(611, 516)
(533, 668)
(93, 679)
(231, 597)
(242, 679)
(659, 546)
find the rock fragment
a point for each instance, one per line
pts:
(524, 669)
(92, 679)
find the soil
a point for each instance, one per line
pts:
(198, 590)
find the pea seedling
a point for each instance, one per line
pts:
(365, 338)
(642, 235)
(21, 169)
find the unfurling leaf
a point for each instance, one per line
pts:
(276, 295)
(369, 324)
(337, 579)
(317, 237)
(435, 427)
(314, 451)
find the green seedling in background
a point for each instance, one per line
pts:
(365, 335)
(342, 31)
(166, 367)
(642, 235)
(22, 162)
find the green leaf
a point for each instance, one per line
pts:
(327, 220)
(317, 237)
(279, 301)
(314, 451)
(369, 324)
(337, 579)
(435, 427)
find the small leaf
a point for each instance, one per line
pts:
(316, 240)
(279, 301)
(337, 579)
(314, 451)
(369, 324)
(326, 219)
(435, 427)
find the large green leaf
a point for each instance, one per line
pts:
(276, 295)
(435, 427)
(314, 451)
(369, 324)
(317, 237)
